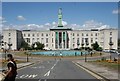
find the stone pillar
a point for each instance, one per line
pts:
(65, 40)
(58, 40)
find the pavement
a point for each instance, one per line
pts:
(99, 70)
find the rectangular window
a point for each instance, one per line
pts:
(110, 39)
(91, 40)
(33, 40)
(37, 34)
(9, 40)
(37, 39)
(86, 34)
(95, 34)
(82, 34)
(33, 35)
(91, 34)
(110, 33)
(73, 40)
(52, 40)
(46, 40)
(42, 40)
(82, 40)
(24, 35)
(28, 40)
(42, 34)
(77, 34)
(9, 34)
(46, 35)
(46, 45)
(28, 35)
(73, 34)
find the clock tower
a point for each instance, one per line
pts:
(60, 18)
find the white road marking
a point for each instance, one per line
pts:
(29, 76)
(38, 67)
(48, 73)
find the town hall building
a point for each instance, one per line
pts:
(62, 38)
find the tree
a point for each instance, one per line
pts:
(39, 46)
(25, 45)
(95, 46)
(119, 42)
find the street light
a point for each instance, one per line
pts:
(5, 49)
(110, 43)
(78, 43)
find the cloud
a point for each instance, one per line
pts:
(21, 18)
(47, 24)
(64, 23)
(91, 24)
(116, 11)
(2, 20)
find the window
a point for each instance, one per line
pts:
(73, 45)
(33, 40)
(82, 34)
(73, 34)
(38, 35)
(91, 34)
(82, 40)
(24, 35)
(9, 34)
(78, 42)
(9, 40)
(46, 34)
(33, 35)
(37, 39)
(42, 34)
(28, 40)
(42, 39)
(110, 33)
(86, 34)
(95, 34)
(73, 40)
(28, 35)
(110, 39)
(46, 45)
(52, 40)
(91, 40)
(46, 40)
(77, 34)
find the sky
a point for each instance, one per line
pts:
(44, 15)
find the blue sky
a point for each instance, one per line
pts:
(40, 13)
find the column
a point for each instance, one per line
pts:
(65, 40)
(58, 40)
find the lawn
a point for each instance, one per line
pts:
(110, 65)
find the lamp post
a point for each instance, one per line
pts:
(110, 44)
(9, 45)
(78, 44)
(5, 49)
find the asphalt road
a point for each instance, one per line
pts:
(53, 69)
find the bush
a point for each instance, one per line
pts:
(103, 59)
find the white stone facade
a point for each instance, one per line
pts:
(71, 39)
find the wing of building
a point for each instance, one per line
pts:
(62, 38)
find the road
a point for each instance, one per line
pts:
(54, 69)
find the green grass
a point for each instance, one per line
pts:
(112, 66)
